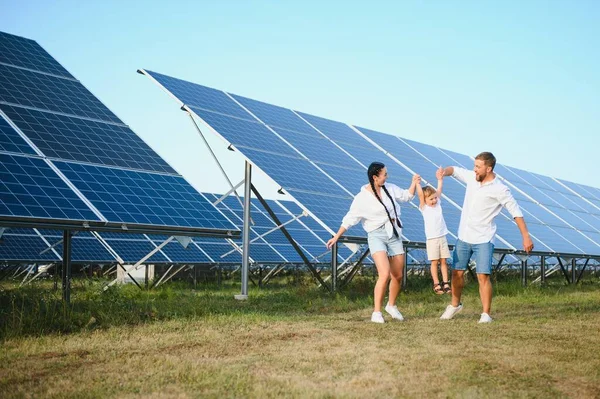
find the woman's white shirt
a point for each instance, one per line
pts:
(367, 209)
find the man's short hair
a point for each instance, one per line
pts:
(488, 158)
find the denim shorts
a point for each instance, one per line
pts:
(379, 241)
(483, 256)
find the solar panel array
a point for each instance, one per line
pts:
(64, 156)
(35, 245)
(322, 164)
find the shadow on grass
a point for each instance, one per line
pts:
(38, 310)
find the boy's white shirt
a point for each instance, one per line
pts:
(367, 209)
(483, 202)
(433, 218)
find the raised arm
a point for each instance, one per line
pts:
(421, 196)
(416, 180)
(440, 178)
(448, 170)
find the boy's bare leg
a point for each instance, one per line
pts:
(444, 269)
(434, 272)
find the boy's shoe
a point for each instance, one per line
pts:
(394, 312)
(485, 318)
(451, 311)
(377, 317)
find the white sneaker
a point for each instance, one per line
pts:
(485, 318)
(377, 317)
(394, 312)
(451, 311)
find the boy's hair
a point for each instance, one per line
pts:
(428, 191)
(488, 158)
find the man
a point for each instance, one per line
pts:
(484, 198)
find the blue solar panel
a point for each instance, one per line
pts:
(318, 149)
(87, 250)
(145, 198)
(216, 249)
(294, 174)
(580, 189)
(26, 53)
(200, 96)
(71, 138)
(32, 89)
(11, 141)
(177, 253)
(24, 248)
(336, 131)
(132, 251)
(29, 187)
(244, 133)
(276, 116)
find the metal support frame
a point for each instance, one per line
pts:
(166, 277)
(213, 155)
(562, 268)
(573, 271)
(246, 232)
(287, 235)
(334, 267)
(355, 268)
(524, 272)
(543, 270)
(66, 267)
(582, 270)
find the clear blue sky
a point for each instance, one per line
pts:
(519, 78)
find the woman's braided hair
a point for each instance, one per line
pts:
(373, 171)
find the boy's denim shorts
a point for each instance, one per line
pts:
(379, 241)
(483, 256)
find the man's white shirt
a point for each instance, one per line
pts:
(483, 202)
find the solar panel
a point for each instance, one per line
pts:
(29, 187)
(276, 117)
(327, 184)
(66, 122)
(70, 138)
(33, 89)
(143, 198)
(11, 141)
(26, 53)
(132, 251)
(29, 248)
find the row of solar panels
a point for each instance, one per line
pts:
(66, 159)
(267, 245)
(322, 164)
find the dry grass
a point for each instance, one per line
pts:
(542, 344)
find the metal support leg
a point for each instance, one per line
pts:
(66, 267)
(246, 232)
(524, 273)
(562, 268)
(334, 266)
(573, 271)
(543, 270)
(582, 270)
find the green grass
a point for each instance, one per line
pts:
(297, 341)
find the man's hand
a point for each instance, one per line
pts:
(439, 174)
(331, 242)
(527, 243)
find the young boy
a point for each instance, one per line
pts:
(435, 232)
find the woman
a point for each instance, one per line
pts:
(376, 207)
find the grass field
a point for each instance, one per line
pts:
(297, 341)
